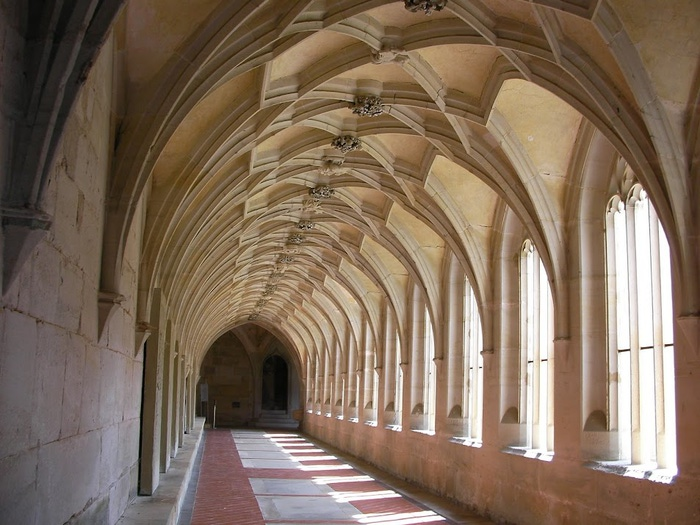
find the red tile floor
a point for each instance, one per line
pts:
(251, 477)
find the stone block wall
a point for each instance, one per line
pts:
(507, 487)
(228, 372)
(69, 399)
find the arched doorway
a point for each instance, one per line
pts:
(275, 380)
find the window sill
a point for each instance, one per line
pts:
(532, 453)
(353, 420)
(465, 441)
(647, 471)
(393, 428)
(371, 423)
(421, 431)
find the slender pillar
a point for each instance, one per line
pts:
(338, 382)
(440, 385)
(405, 396)
(193, 400)
(567, 400)
(167, 403)
(152, 402)
(687, 390)
(176, 427)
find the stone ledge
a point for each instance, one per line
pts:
(423, 431)
(163, 508)
(466, 441)
(532, 453)
(620, 468)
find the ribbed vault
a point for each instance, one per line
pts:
(226, 128)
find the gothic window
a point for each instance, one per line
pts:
(430, 373)
(640, 328)
(375, 393)
(398, 381)
(473, 365)
(536, 342)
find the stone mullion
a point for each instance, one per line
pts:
(524, 416)
(537, 340)
(661, 452)
(634, 336)
(612, 324)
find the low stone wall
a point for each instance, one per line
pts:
(510, 487)
(166, 503)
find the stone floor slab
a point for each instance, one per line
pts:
(305, 508)
(263, 454)
(291, 487)
(270, 463)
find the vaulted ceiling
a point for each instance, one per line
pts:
(227, 112)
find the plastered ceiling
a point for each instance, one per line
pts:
(227, 113)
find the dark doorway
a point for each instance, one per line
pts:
(274, 383)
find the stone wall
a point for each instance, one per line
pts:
(232, 369)
(508, 487)
(69, 399)
(228, 373)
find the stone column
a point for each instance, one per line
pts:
(453, 353)
(415, 379)
(367, 379)
(192, 409)
(152, 401)
(491, 410)
(326, 380)
(339, 379)
(567, 400)
(176, 427)
(389, 372)
(361, 399)
(310, 382)
(405, 396)
(342, 386)
(186, 406)
(441, 423)
(351, 383)
(381, 402)
(687, 359)
(167, 401)
(507, 343)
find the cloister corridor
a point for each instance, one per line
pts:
(256, 477)
(349, 261)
